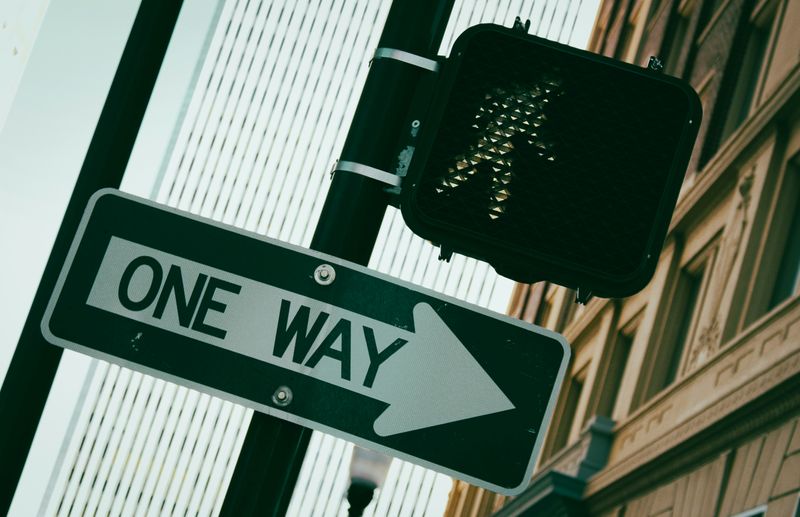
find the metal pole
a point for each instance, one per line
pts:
(273, 449)
(33, 367)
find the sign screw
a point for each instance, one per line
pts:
(324, 274)
(282, 396)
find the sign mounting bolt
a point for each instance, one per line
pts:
(282, 396)
(325, 274)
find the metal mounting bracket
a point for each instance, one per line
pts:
(522, 27)
(582, 296)
(407, 57)
(370, 172)
(445, 253)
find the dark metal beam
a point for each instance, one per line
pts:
(273, 450)
(34, 364)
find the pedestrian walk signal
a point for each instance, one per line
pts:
(551, 163)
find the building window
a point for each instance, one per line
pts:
(628, 44)
(698, 20)
(571, 311)
(749, 73)
(760, 511)
(525, 301)
(777, 277)
(686, 297)
(625, 41)
(787, 278)
(675, 41)
(617, 369)
(567, 420)
(684, 304)
(545, 306)
(744, 71)
(706, 14)
(570, 308)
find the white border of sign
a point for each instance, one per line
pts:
(277, 412)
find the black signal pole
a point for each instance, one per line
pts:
(273, 449)
(34, 364)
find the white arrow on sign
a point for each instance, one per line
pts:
(426, 376)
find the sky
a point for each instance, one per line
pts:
(58, 93)
(57, 60)
(45, 131)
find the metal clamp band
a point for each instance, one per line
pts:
(369, 172)
(407, 57)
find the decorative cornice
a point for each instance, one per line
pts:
(680, 452)
(758, 360)
(762, 325)
(551, 485)
(779, 384)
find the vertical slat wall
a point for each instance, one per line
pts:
(263, 127)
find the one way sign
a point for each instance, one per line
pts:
(308, 338)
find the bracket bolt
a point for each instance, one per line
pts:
(655, 64)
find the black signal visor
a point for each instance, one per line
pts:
(551, 163)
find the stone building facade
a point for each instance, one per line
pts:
(684, 399)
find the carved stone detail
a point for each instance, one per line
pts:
(757, 387)
(706, 345)
(774, 346)
(707, 340)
